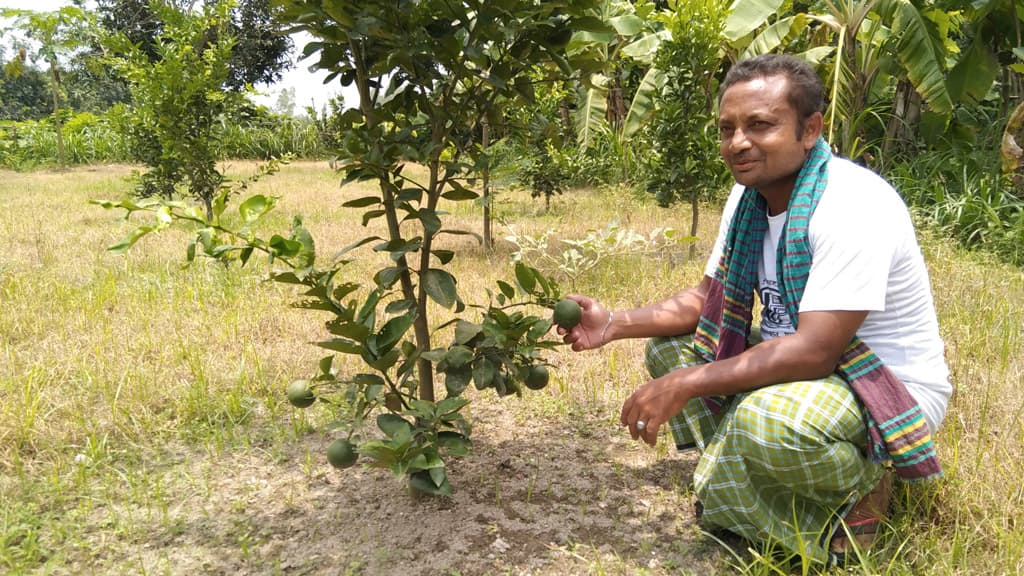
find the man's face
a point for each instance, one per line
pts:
(759, 135)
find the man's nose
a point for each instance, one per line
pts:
(738, 140)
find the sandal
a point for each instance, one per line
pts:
(862, 522)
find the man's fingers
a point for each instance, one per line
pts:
(624, 415)
(650, 433)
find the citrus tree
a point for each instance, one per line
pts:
(426, 73)
(178, 99)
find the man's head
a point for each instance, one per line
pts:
(805, 92)
(769, 118)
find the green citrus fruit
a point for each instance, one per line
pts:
(299, 394)
(537, 377)
(567, 313)
(341, 454)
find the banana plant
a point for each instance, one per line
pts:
(860, 36)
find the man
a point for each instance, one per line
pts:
(849, 372)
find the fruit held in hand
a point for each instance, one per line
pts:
(567, 313)
(341, 454)
(537, 377)
(300, 395)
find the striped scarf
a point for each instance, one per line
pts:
(897, 430)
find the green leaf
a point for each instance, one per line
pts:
(590, 117)
(627, 24)
(781, 32)
(456, 380)
(366, 379)
(440, 286)
(386, 277)
(244, 255)
(454, 443)
(525, 277)
(325, 364)
(444, 256)
(644, 49)
(392, 424)
(372, 392)
(591, 24)
(355, 245)
(392, 332)
(484, 372)
(283, 247)
(370, 215)
(430, 220)
(424, 481)
(363, 202)
(123, 246)
(644, 101)
(479, 238)
(916, 52)
(450, 405)
(465, 331)
(458, 356)
(342, 345)
(506, 289)
(255, 207)
(745, 16)
(459, 192)
(435, 355)
(973, 75)
(352, 330)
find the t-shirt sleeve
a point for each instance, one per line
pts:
(852, 246)
(723, 228)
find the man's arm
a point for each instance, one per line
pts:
(677, 314)
(810, 353)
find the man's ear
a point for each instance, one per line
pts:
(812, 130)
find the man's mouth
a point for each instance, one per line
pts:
(743, 163)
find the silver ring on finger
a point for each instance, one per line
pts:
(640, 425)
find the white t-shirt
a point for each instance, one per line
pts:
(865, 256)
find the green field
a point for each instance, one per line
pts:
(144, 429)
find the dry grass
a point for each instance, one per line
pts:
(105, 358)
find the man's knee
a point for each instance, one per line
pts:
(664, 354)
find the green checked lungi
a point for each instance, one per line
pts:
(781, 464)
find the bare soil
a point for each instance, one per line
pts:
(540, 494)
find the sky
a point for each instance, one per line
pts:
(309, 87)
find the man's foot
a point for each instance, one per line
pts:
(864, 520)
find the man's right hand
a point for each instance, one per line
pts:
(588, 334)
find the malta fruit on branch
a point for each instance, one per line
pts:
(300, 395)
(341, 454)
(567, 313)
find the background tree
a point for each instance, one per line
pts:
(178, 100)
(24, 94)
(58, 34)
(260, 53)
(685, 133)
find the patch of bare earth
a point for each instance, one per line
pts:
(565, 494)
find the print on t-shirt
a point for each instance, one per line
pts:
(774, 318)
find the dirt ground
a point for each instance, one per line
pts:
(540, 494)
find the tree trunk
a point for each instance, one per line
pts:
(56, 112)
(488, 241)
(424, 369)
